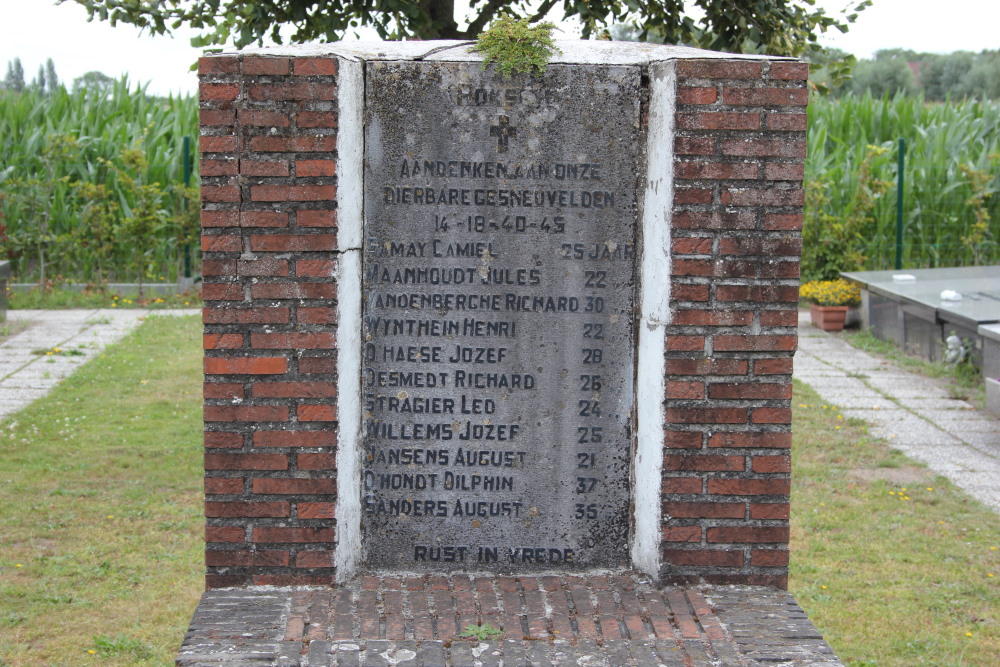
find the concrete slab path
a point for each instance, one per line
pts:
(28, 371)
(916, 414)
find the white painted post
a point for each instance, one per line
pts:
(654, 317)
(350, 229)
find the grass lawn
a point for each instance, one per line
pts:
(100, 507)
(100, 490)
(895, 566)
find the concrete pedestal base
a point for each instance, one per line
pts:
(568, 620)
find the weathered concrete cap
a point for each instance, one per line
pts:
(573, 51)
(990, 331)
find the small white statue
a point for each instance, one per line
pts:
(954, 350)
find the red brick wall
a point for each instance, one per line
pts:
(269, 134)
(739, 152)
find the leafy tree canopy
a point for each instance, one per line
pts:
(937, 76)
(778, 27)
(46, 82)
(888, 74)
(51, 78)
(15, 76)
(94, 80)
(39, 81)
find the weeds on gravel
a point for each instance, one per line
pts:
(11, 328)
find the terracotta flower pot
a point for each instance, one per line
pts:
(828, 318)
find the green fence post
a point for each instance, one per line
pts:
(899, 204)
(186, 153)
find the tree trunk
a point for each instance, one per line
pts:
(442, 13)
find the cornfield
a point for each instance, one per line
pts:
(91, 184)
(951, 172)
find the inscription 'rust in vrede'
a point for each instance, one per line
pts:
(499, 265)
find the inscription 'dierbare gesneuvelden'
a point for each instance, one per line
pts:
(498, 278)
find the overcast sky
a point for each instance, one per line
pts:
(35, 30)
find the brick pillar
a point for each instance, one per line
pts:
(738, 168)
(268, 142)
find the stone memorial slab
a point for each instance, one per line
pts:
(499, 279)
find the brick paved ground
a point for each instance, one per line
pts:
(611, 620)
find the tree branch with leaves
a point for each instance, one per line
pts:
(776, 27)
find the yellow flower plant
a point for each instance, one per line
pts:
(831, 292)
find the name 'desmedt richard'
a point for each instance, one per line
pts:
(459, 379)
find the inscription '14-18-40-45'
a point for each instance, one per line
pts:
(498, 298)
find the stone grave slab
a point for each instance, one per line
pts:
(500, 243)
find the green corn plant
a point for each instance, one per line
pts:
(104, 122)
(979, 239)
(945, 222)
(100, 216)
(32, 199)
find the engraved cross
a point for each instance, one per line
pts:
(502, 132)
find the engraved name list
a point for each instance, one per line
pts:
(499, 262)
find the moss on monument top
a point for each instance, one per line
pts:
(517, 46)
